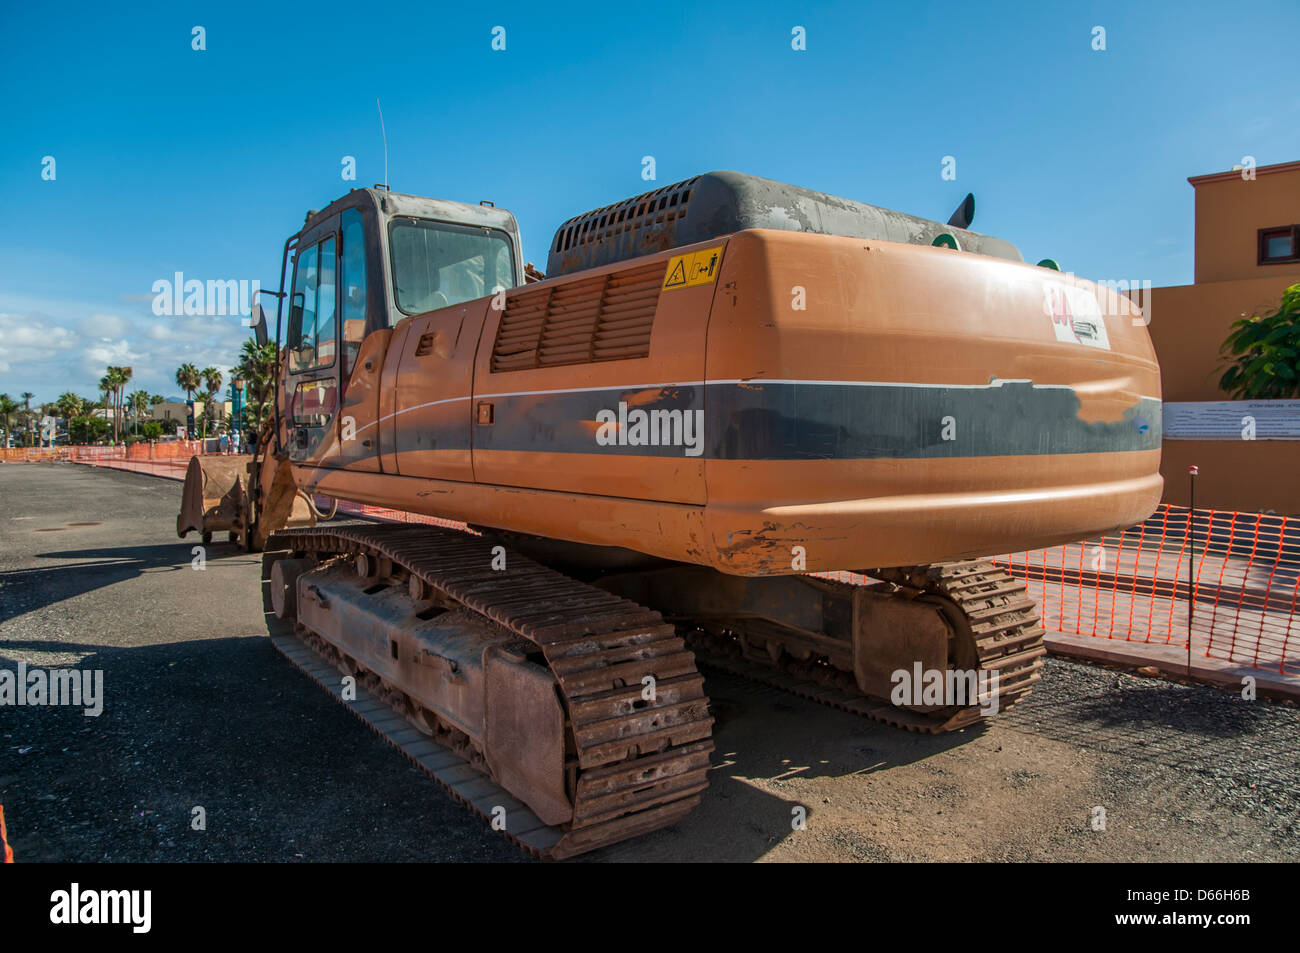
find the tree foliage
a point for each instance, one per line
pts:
(70, 405)
(8, 407)
(87, 429)
(257, 368)
(1262, 353)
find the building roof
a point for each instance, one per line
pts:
(1236, 173)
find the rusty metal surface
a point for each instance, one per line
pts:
(442, 763)
(891, 634)
(995, 622)
(433, 656)
(966, 616)
(250, 496)
(214, 494)
(451, 666)
(634, 764)
(721, 203)
(524, 732)
(282, 586)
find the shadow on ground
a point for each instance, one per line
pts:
(28, 590)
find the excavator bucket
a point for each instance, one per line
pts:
(279, 504)
(215, 495)
(248, 498)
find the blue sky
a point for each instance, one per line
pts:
(169, 159)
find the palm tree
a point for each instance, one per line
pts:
(69, 405)
(189, 380)
(139, 404)
(212, 379)
(257, 367)
(129, 409)
(114, 384)
(27, 411)
(124, 377)
(118, 378)
(111, 377)
(7, 408)
(106, 387)
(201, 423)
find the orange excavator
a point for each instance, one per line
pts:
(722, 391)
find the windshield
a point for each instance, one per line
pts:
(436, 264)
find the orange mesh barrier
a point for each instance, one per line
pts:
(1242, 571)
(34, 454)
(4, 838)
(173, 451)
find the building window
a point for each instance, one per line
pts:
(1277, 245)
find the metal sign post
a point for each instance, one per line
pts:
(1191, 561)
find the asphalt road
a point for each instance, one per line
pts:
(200, 711)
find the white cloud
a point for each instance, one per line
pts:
(27, 341)
(103, 326)
(52, 354)
(105, 352)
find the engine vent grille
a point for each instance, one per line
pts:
(606, 318)
(660, 207)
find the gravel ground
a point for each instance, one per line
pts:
(201, 711)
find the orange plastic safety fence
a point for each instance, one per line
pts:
(1242, 589)
(4, 838)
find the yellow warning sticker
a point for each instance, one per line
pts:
(693, 268)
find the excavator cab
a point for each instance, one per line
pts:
(354, 271)
(357, 268)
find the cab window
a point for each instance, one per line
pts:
(312, 308)
(353, 274)
(436, 264)
(314, 402)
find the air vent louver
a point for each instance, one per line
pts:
(606, 318)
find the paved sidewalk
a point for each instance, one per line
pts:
(1172, 660)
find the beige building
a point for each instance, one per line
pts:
(170, 413)
(1247, 254)
(223, 411)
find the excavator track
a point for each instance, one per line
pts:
(995, 626)
(633, 766)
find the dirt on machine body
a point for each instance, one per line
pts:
(725, 385)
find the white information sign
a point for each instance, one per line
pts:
(1232, 420)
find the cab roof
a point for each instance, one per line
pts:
(399, 204)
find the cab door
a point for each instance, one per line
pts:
(312, 378)
(363, 346)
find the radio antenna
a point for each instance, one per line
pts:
(385, 135)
